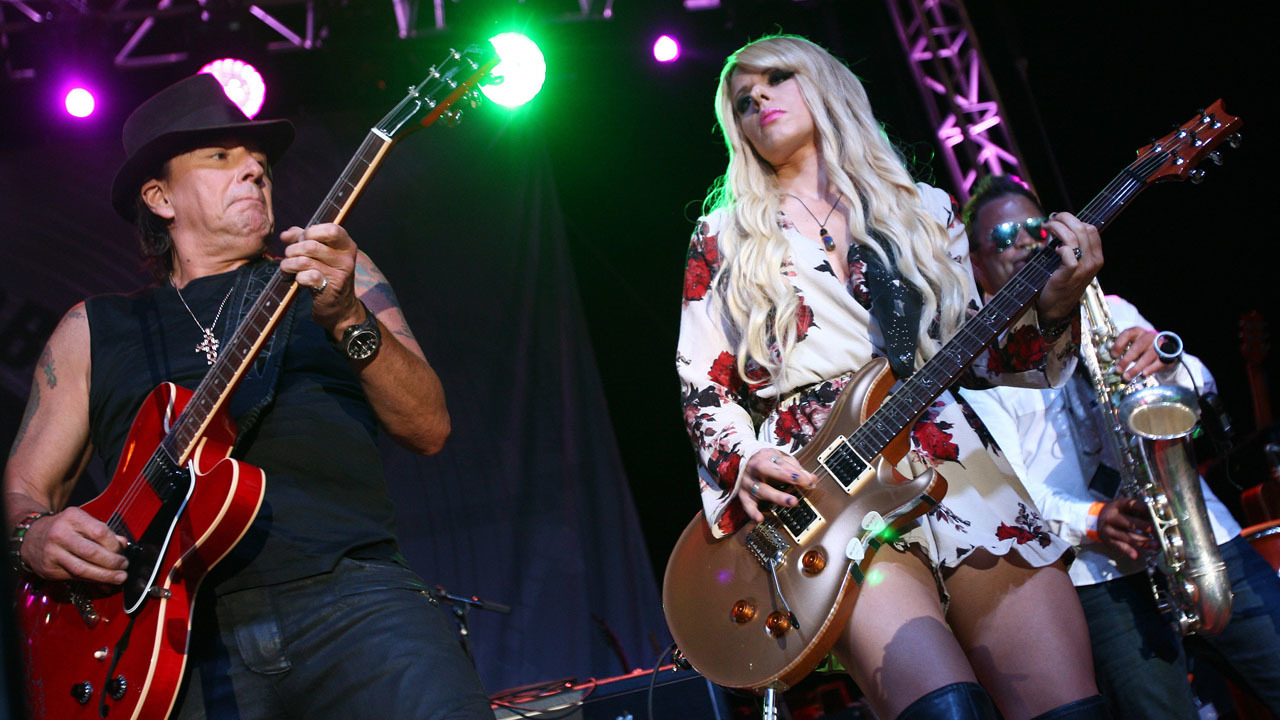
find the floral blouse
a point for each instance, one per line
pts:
(729, 418)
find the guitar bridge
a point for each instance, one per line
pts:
(767, 544)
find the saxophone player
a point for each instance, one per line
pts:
(1056, 440)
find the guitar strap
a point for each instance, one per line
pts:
(895, 305)
(257, 387)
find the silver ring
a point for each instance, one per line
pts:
(324, 283)
(775, 460)
(755, 489)
(1077, 252)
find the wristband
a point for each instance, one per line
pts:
(1055, 331)
(20, 534)
(1091, 521)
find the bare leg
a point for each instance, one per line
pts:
(897, 645)
(1023, 631)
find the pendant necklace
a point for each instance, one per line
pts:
(827, 241)
(208, 343)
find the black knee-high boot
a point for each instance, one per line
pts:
(1090, 708)
(957, 701)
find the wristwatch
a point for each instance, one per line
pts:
(362, 340)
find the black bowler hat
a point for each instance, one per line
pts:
(174, 121)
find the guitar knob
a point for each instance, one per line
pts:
(1197, 176)
(82, 692)
(813, 562)
(777, 624)
(743, 612)
(1235, 140)
(1216, 157)
(117, 687)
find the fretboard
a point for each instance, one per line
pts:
(943, 369)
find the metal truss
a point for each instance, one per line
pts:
(143, 29)
(151, 32)
(406, 12)
(958, 92)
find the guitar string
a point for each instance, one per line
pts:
(1115, 193)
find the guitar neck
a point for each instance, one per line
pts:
(944, 368)
(218, 384)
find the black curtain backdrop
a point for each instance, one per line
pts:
(528, 504)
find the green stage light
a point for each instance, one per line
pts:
(522, 70)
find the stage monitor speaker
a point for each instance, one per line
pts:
(677, 695)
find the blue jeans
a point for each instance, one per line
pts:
(363, 641)
(1141, 661)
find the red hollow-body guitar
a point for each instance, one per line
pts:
(95, 650)
(760, 609)
(99, 651)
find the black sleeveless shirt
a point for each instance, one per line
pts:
(316, 440)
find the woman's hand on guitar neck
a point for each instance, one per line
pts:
(1060, 298)
(72, 545)
(771, 466)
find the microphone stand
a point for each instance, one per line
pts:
(461, 606)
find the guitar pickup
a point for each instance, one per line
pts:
(800, 520)
(844, 464)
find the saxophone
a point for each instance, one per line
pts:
(1149, 428)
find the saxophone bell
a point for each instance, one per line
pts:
(1160, 412)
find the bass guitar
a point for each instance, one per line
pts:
(758, 610)
(97, 651)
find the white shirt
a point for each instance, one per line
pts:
(1055, 441)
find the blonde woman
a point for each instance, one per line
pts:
(815, 224)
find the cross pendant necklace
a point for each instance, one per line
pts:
(208, 343)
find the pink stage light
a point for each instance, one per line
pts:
(241, 81)
(79, 102)
(666, 49)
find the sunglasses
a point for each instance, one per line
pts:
(1003, 235)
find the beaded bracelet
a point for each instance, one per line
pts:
(20, 534)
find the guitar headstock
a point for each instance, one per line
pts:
(448, 86)
(1179, 152)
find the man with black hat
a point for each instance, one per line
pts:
(313, 613)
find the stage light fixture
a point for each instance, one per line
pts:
(79, 102)
(666, 49)
(241, 82)
(522, 69)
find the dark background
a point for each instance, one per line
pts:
(626, 149)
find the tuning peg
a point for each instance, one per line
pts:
(1235, 140)
(451, 118)
(1196, 176)
(1216, 157)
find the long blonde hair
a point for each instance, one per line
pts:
(861, 165)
